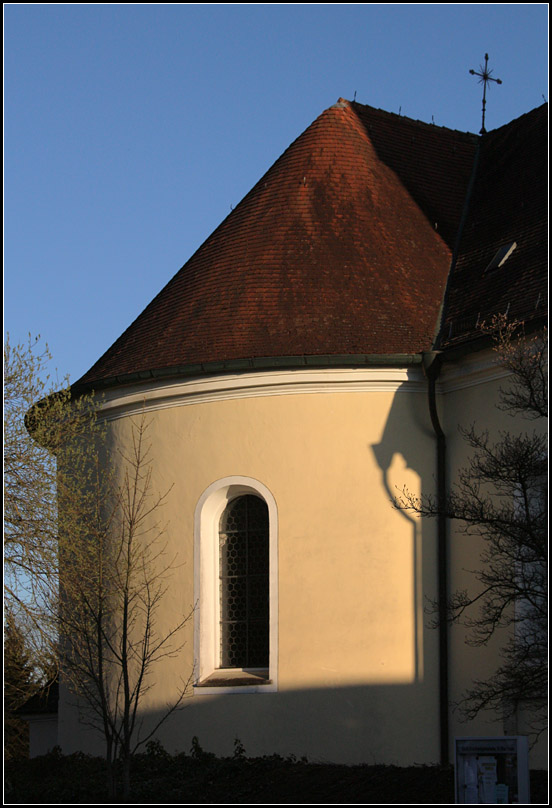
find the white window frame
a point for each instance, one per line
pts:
(209, 510)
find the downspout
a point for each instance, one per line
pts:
(432, 361)
(432, 367)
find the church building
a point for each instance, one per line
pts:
(300, 370)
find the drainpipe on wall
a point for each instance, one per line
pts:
(431, 361)
(432, 366)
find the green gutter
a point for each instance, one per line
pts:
(432, 367)
(251, 365)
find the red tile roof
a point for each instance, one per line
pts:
(342, 249)
(432, 162)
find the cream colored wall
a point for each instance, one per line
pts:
(357, 667)
(357, 672)
(471, 393)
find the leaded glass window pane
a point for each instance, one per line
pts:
(243, 565)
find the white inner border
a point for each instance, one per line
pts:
(208, 511)
(156, 395)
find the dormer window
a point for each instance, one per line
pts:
(501, 256)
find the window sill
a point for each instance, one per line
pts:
(234, 680)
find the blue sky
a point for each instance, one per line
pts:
(131, 130)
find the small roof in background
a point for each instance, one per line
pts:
(43, 702)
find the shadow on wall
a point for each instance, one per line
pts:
(403, 467)
(364, 724)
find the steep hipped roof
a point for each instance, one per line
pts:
(341, 249)
(508, 205)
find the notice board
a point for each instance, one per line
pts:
(491, 770)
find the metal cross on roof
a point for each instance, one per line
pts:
(485, 76)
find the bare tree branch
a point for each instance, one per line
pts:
(500, 497)
(113, 581)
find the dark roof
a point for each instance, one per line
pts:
(508, 204)
(432, 162)
(43, 702)
(342, 250)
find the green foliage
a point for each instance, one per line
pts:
(155, 749)
(197, 751)
(42, 422)
(19, 685)
(184, 780)
(30, 512)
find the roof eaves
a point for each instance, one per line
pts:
(252, 364)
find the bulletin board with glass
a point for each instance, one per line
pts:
(491, 770)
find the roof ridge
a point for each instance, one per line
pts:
(398, 116)
(516, 120)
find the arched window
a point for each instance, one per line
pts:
(244, 584)
(236, 588)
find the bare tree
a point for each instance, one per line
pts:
(500, 497)
(114, 576)
(85, 562)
